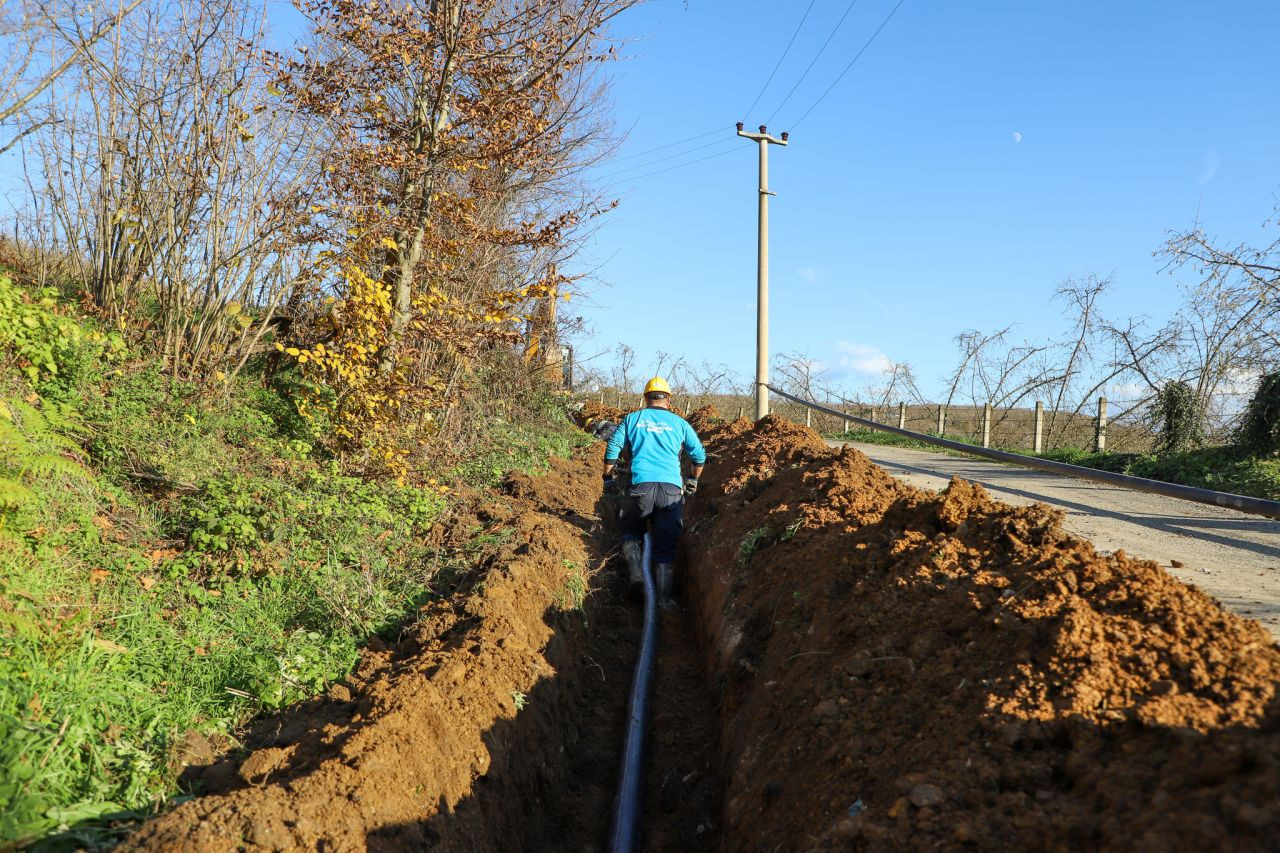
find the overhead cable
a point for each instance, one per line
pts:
(667, 157)
(787, 49)
(813, 61)
(840, 76)
(682, 165)
(668, 145)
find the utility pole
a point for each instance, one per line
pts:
(762, 269)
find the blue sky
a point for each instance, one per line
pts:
(977, 154)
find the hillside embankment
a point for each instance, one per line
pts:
(490, 725)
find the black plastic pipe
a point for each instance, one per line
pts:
(629, 804)
(1243, 503)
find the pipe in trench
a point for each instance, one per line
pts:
(629, 804)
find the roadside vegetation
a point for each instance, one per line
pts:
(176, 558)
(1232, 468)
(264, 316)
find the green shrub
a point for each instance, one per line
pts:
(1178, 418)
(1259, 431)
(48, 348)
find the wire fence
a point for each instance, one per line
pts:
(1129, 427)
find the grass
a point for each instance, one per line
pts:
(1223, 469)
(174, 559)
(866, 435)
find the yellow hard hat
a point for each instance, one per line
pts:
(657, 383)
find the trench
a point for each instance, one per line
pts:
(853, 664)
(495, 722)
(554, 769)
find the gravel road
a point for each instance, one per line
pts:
(1233, 556)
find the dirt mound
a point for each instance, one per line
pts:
(487, 727)
(911, 670)
(591, 412)
(705, 418)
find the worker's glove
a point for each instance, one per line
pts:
(690, 485)
(611, 487)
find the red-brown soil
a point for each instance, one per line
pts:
(905, 670)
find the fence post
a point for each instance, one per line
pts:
(942, 421)
(1100, 434)
(1038, 440)
(602, 398)
(902, 415)
(874, 419)
(986, 425)
(808, 416)
(741, 410)
(844, 421)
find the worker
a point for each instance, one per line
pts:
(655, 435)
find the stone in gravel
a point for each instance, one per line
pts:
(1177, 564)
(1163, 686)
(926, 795)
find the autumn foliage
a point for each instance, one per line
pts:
(452, 131)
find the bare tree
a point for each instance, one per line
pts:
(1229, 327)
(40, 43)
(623, 378)
(176, 177)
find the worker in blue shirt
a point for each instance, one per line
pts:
(655, 435)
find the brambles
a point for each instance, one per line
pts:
(1178, 417)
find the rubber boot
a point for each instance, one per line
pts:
(633, 553)
(664, 578)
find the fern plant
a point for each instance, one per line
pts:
(34, 448)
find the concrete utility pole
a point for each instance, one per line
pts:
(762, 269)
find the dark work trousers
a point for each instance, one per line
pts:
(656, 508)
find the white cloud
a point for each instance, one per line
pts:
(1017, 137)
(861, 358)
(810, 274)
(1209, 168)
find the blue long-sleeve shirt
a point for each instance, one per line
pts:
(656, 437)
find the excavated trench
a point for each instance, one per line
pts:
(858, 665)
(494, 723)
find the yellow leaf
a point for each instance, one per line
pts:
(233, 308)
(294, 351)
(389, 243)
(108, 646)
(220, 376)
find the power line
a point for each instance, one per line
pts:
(668, 145)
(680, 165)
(668, 157)
(812, 62)
(785, 50)
(839, 77)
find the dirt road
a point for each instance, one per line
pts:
(1233, 556)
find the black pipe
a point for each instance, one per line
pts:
(629, 803)
(1243, 503)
